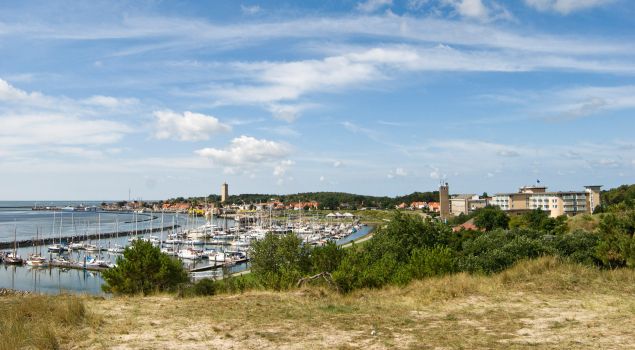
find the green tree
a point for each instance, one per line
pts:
(490, 218)
(144, 269)
(326, 258)
(279, 261)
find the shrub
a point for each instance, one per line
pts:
(326, 258)
(279, 261)
(497, 250)
(144, 269)
(426, 262)
(205, 287)
(578, 246)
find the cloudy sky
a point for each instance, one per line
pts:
(384, 97)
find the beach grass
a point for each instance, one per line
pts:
(43, 322)
(544, 303)
(538, 304)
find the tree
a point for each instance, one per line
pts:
(327, 257)
(490, 218)
(279, 261)
(144, 269)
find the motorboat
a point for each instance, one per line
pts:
(76, 246)
(57, 248)
(189, 254)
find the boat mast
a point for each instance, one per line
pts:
(61, 224)
(15, 240)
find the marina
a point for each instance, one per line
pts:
(68, 249)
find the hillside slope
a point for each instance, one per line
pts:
(537, 304)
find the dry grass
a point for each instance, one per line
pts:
(43, 322)
(540, 304)
(586, 222)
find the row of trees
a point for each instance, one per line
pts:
(327, 200)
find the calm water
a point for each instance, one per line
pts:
(18, 216)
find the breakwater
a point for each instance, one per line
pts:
(85, 237)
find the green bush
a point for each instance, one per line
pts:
(326, 258)
(579, 246)
(144, 269)
(279, 261)
(238, 284)
(426, 262)
(205, 287)
(497, 250)
(385, 259)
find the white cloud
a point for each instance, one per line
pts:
(286, 112)
(507, 153)
(401, 172)
(51, 129)
(398, 172)
(281, 168)
(246, 151)
(322, 178)
(583, 101)
(186, 33)
(110, 102)
(337, 164)
(275, 84)
(369, 6)
(565, 6)
(250, 10)
(31, 122)
(8, 93)
(469, 8)
(416, 4)
(187, 126)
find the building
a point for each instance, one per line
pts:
(460, 203)
(556, 203)
(444, 201)
(302, 205)
(418, 205)
(224, 192)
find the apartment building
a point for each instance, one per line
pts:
(460, 203)
(556, 203)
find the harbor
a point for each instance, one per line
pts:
(68, 249)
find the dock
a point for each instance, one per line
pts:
(217, 265)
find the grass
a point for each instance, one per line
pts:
(43, 322)
(586, 222)
(539, 304)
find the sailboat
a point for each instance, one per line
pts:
(36, 259)
(13, 258)
(58, 247)
(116, 248)
(96, 247)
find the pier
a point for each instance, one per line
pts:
(93, 236)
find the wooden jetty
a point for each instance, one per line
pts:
(217, 265)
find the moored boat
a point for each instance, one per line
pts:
(36, 260)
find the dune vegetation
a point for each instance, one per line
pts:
(540, 303)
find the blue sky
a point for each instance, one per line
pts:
(171, 98)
